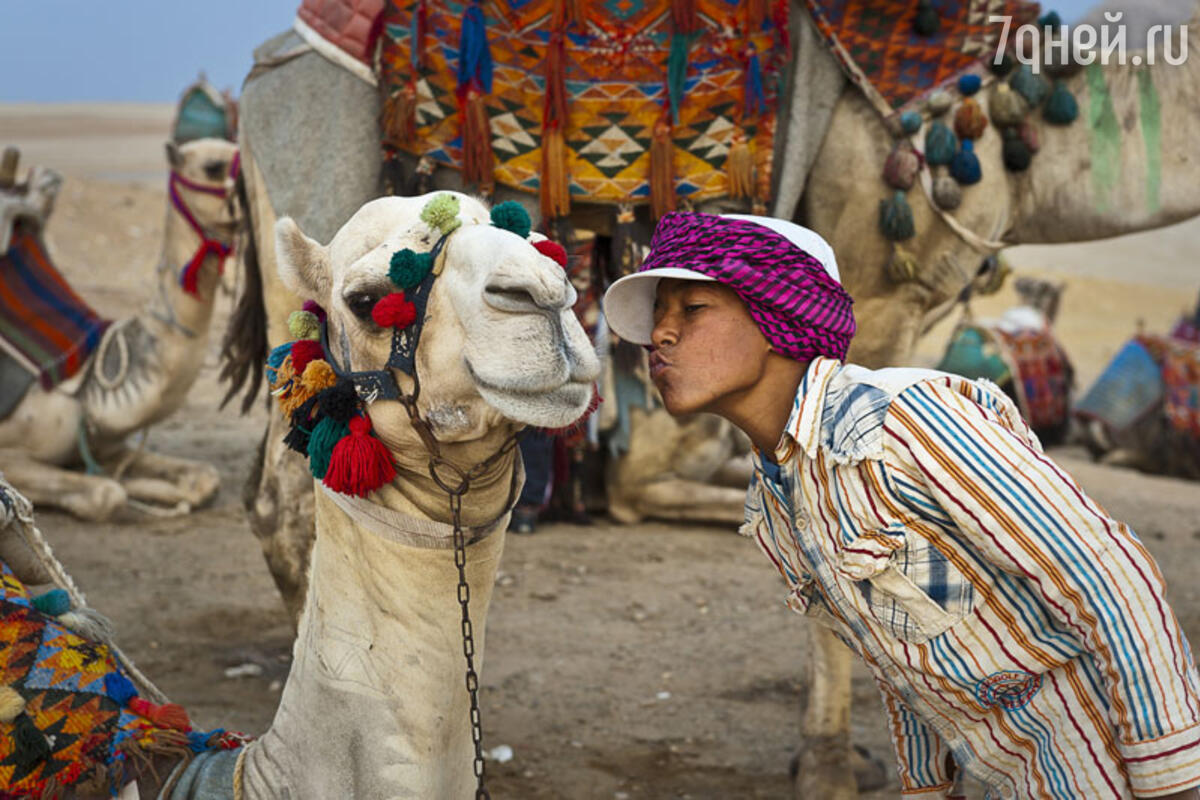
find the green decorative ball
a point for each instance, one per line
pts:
(512, 216)
(441, 214)
(408, 269)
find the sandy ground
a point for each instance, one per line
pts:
(649, 661)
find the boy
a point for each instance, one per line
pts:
(1006, 618)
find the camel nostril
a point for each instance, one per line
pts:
(508, 298)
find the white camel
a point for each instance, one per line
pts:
(375, 704)
(141, 370)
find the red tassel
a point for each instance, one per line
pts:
(552, 250)
(191, 273)
(400, 116)
(556, 197)
(394, 311)
(168, 715)
(683, 14)
(422, 34)
(662, 168)
(477, 142)
(756, 14)
(360, 463)
(304, 351)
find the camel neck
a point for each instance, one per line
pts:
(182, 313)
(377, 678)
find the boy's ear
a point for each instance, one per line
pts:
(303, 263)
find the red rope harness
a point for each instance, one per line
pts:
(189, 276)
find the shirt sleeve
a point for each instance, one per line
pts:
(922, 758)
(980, 463)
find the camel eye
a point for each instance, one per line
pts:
(214, 170)
(360, 305)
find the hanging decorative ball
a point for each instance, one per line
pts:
(946, 192)
(409, 268)
(304, 351)
(969, 121)
(927, 22)
(910, 122)
(1007, 108)
(441, 214)
(314, 308)
(1029, 135)
(1031, 86)
(304, 325)
(339, 402)
(969, 84)
(1050, 19)
(512, 216)
(895, 218)
(938, 103)
(902, 167)
(940, 144)
(327, 433)
(394, 311)
(903, 265)
(1017, 155)
(552, 250)
(965, 166)
(1061, 107)
(1004, 66)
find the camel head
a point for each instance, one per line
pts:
(203, 175)
(498, 344)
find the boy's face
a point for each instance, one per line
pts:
(707, 350)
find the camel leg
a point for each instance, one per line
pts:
(89, 497)
(683, 501)
(825, 764)
(168, 480)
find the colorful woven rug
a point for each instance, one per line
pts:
(1180, 361)
(1128, 389)
(895, 67)
(1044, 373)
(77, 725)
(616, 64)
(48, 328)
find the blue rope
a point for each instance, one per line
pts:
(474, 53)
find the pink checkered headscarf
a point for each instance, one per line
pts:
(801, 309)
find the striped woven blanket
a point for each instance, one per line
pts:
(44, 324)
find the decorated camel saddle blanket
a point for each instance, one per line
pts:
(1179, 360)
(69, 714)
(48, 329)
(1128, 390)
(608, 101)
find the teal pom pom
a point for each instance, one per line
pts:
(512, 216)
(910, 122)
(969, 84)
(940, 145)
(965, 167)
(1061, 108)
(119, 688)
(325, 435)
(1030, 86)
(53, 602)
(895, 218)
(408, 269)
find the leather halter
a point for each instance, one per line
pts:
(208, 245)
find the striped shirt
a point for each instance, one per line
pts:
(1006, 617)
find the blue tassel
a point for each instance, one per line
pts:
(756, 98)
(895, 218)
(1029, 85)
(911, 121)
(53, 602)
(940, 144)
(474, 52)
(1061, 108)
(969, 84)
(119, 689)
(198, 740)
(677, 64)
(276, 358)
(965, 166)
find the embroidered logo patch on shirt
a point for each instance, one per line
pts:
(1010, 690)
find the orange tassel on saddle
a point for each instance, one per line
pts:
(662, 167)
(556, 197)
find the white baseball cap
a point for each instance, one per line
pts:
(629, 303)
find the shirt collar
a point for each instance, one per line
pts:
(803, 429)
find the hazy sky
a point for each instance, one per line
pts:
(149, 50)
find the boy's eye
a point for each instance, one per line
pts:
(691, 307)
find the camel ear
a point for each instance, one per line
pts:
(174, 157)
(302, 262)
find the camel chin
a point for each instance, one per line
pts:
(557, 408)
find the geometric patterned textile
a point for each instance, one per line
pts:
(61, 677)
(616, 74)
(44, 325)
(1180, 362)
(1045, 375)
(893, 65)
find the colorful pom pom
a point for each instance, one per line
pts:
(441, 214)
(910, 122)
(318, 375)
(119, 688)
(275, 360)
(1062, 107)
(552, 250)
(304, 325)
(895, 218)
(512, 216)
(940, 144)
(314, 308)
(304, 351)
(969, 121)
(394, 311)
(360, 463)
(167, 715)
(969, 84)
(408, 268)
(340, 402)
(321, 442)
(965, 167)
(53, 602)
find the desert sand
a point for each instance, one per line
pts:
(647, 661)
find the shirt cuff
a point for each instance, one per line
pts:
(1165, 765)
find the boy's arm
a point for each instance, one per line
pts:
(1094, 576)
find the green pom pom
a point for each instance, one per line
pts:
(53, 602)
(325, 435)
(1061, 108)
(512, 216)
(408, 269)
(441, 214)
(304, 325)
(895, 218)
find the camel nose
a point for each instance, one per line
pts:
(540, 290)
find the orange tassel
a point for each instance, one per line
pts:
(168, 715)
(360, 463)
(400, 116)
(556, 198)
(662, 168)
(556, 193)
(683, 14)
(477, 142)
(756, 13)
(739, 165)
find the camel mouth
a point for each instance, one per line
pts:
(550, 408)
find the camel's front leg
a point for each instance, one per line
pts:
(825, 763)
(89, 497)
(165, 480)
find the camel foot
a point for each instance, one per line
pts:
(870, 773)
(821, 769)
(93, 498)
(161, 480)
